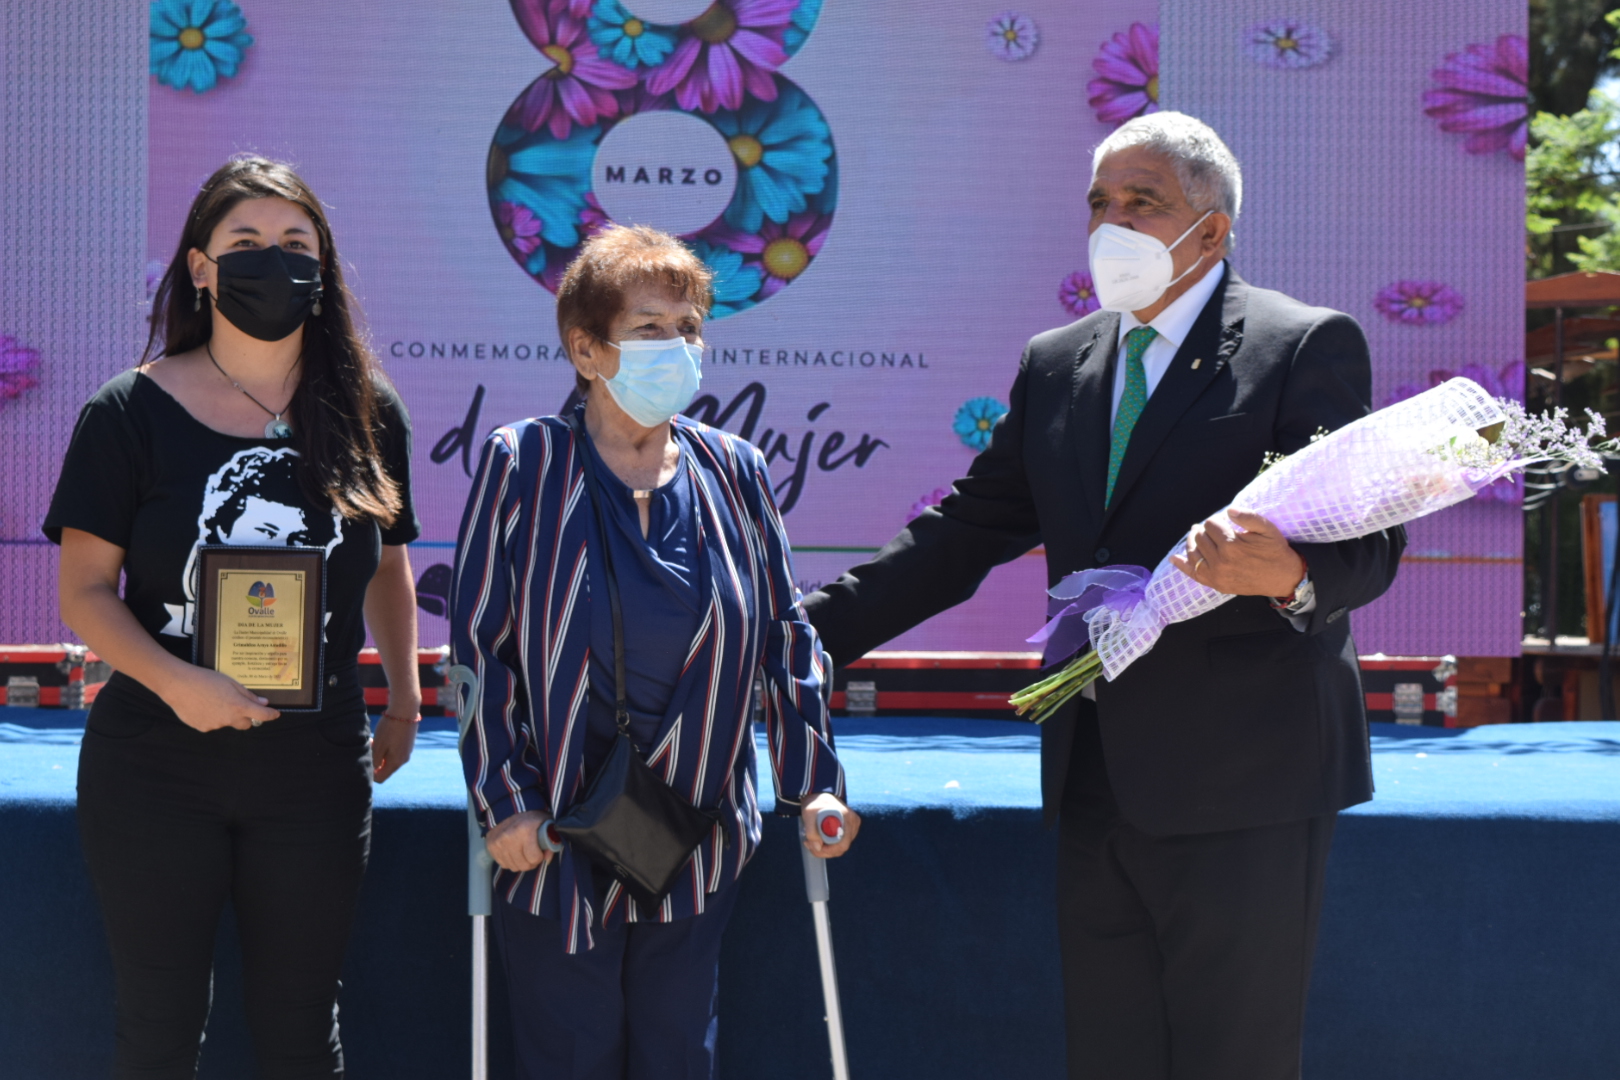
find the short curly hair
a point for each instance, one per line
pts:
(616, 260)
(1210, 176)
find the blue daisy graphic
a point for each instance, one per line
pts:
(784, 155)
(549, 176)
(826, 200)
(976, 419)
(804, 21)
(195, 43)
(735, 284)
(626, 40)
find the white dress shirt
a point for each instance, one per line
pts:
(1174, 323)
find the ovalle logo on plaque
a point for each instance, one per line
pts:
(261, 598)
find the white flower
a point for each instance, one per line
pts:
(1011, 36)
(1286, 43)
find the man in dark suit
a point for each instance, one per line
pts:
(1196, 794)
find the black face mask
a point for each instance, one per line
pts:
(267, 293)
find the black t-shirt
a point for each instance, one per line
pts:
(146, 475)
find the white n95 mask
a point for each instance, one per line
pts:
(1131, 270)
(656, 379)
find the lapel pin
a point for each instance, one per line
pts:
(1196, 362)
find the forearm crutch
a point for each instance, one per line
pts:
(830, 825)
(480, 884)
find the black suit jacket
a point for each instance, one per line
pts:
(1235, 719)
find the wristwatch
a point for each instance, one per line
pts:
(1303, 594)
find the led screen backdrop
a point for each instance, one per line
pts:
(892, 196)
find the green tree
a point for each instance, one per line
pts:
(1570, 168)
(1571, 46)
(1572, 181)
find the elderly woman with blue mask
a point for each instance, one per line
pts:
(605, 981)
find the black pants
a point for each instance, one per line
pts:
(174, 822)
(642, 1005)
(1184, 957)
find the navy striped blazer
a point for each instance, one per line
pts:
(520, 619)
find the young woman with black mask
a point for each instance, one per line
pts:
(265, 421)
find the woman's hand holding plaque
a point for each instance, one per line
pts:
(208, 701)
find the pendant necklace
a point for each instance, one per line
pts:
(277, 428)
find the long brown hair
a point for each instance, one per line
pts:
(335, 408)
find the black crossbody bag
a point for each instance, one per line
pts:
(630, 822)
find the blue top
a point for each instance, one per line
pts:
(662, 602)
(522, 619)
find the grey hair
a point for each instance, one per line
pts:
(1210, 176)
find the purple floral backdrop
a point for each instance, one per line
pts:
(907, 213)
(1385, 178)
(72, 248)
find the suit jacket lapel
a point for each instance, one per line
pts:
(1214, 338)
(1093, 398)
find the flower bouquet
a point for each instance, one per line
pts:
(1390, 467)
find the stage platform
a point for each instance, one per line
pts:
(1470, 930)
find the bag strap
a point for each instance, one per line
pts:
(621, 708)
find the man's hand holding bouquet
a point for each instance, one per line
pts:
(1390, 467)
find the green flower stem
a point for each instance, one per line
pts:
(1057, 701)
(1045, 697)
(1036, 691)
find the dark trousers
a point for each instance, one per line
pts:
(173, 823)
(641, 1005)
(1184, 957)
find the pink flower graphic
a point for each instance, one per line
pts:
(932, 499)
(731, 47)
(1504, 382)
(593, 218)
(1419, 303)
(17, 365)
(637, 99)
(782, 251)
(518, 227)
(1484, 92)
(579, 88)
(1078, 294)
(1127, 82)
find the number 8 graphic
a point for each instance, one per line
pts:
(720, 67)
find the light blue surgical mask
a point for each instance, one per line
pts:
(656, 379)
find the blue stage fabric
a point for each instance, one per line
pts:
(1469, 929)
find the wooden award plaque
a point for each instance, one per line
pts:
(261, 620)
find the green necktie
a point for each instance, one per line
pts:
(1131, 405)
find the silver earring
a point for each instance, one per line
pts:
(196, 304)
(317, 309)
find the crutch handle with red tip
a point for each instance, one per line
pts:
(830, 825)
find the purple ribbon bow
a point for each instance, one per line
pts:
(1117, 588)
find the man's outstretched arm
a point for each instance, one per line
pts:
(939, 559)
